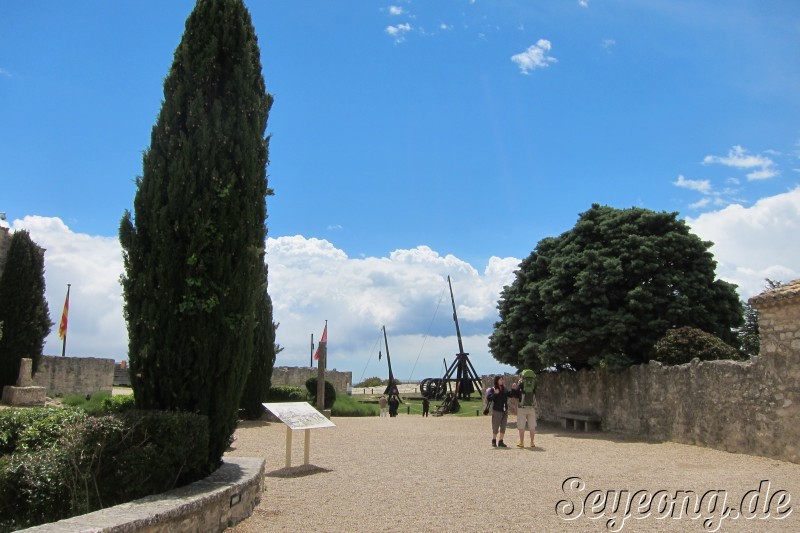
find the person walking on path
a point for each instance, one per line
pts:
(526, 411)
(498, 397)
(426, 405)
(383, 403)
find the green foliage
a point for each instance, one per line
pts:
(35, 429)
(347, 406)
(119, 404)
(260, 376)
(681, 345)
(86, 463)
(749, 337)
(24, 312)
(92, 404)
(605, 291)
(330, 392)
(286, 394)
(193, 248)
(371, 382)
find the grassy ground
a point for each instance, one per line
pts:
(348, 406)
(91, 405)
(368, 406)
(413, 406)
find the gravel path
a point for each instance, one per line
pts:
(440, 474)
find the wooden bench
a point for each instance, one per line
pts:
(580, 421)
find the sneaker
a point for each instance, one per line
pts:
(494, 443)
(521, 445)
(501, 444)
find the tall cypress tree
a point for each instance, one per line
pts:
(194, 247)
(260, 374)
(23, 308)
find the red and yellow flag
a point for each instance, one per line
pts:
(322, 343)
(62, 327)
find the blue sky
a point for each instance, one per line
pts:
(469, 129)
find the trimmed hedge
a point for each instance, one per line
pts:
(287, 394)
(35, 429)
(60, 463)
(330, 392)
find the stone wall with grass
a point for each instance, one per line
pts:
(296, 376)
(66, 376)
(749, 407)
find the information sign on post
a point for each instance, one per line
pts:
(297, 416)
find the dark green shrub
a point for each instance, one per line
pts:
(287, 394)
(96, 461)
(330, 392)
(33, 489)
(138, 453)
(118, 404)
(34, 429)
(681, 345)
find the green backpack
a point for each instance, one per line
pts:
(529, 384)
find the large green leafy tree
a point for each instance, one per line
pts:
(193, 248)
(605, 291)
(24, 314)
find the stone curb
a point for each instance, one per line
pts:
(224, 498)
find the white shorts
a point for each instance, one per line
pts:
(526, 415)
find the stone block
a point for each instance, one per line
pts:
(25, 378)
(23, 396)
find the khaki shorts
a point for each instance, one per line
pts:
(526, 415)
(499, 420)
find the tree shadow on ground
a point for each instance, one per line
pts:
(259, 423)
(550, 428)
(298, 471)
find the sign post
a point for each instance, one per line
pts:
(298, 416)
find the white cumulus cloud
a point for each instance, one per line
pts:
(310, 281)
(396, 11)
(93, 266)
(398, 31)
(754, 243)
(738, 158)
(536, 56)
(703, 186)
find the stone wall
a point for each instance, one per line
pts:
(296, 376)
(122, 375)
(215, 503)
(748, 407)
(74, 375)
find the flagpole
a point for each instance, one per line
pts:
(64, 343)
(311, 364)
(323, 356)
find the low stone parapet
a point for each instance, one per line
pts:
(223, 499)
